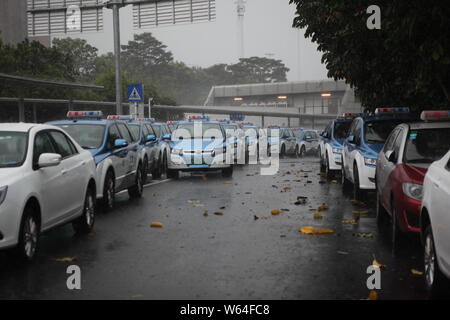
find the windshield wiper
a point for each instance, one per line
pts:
(374, 141)
(87, 147)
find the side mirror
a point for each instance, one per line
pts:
(49, 160)
(391, 157)
(151, 137)
(351, 139)
(167, 136)
(120, 143)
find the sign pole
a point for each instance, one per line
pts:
(116, 27)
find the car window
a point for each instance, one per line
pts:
(113, 135)
(62, 145)
(135, 130)
(340, 130)
(426, 145)
(157, 130)
(13, 148)
(150, 129)
(378, 131)
(88, 136)
(357, 133)
(398, 143)
(42, 144)
(124, 132)
(389, 145)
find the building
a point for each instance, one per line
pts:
(305, 97)
(13, 23)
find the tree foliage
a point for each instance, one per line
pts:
(405, 63)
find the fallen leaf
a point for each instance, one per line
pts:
(373, 295)
(333, 181)
(312, 230)
(156, 225)
(360, 212)
(228, 182)
(198, 205)
(218, 213)
(255, 217)
(323, 208)
(343, 252)
(358, 203)
(276, 212)
(66, 259)
(363, 235)
(351, 221)
(205, 213)
(416, 272)
(318, 216)
(375, 263)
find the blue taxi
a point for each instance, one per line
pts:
(111, 143)
(331, 144)
(365, 139)
(199, 145)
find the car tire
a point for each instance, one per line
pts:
(358, 193)
(282, 151)
(109, 192)
(29, 233)
(435, 280)
(396, 233)
(157, 172)
(322, 165)
(85, 223)
(138, 188)
(145, 171)
(297, 151)
(227, 172)
(344, 181)
(381, 213)
(173, 174)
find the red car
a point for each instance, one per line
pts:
(401, 167)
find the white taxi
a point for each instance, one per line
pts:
(46, 180)
(435, 223)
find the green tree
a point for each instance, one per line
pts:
(258, 70)
(83, 56)
(406, 63)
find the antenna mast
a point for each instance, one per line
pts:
(240, 27)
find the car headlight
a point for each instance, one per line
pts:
(3, 191)
(370, 161)
(413, 190)
(336, 150)
(178, 151)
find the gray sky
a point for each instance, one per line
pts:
(267, 30)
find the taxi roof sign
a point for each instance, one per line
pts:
(436, 115)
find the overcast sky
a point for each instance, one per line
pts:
(267, 30)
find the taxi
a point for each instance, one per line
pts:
(435, 223)
(285, 140)
(145, 136)
(236, 139)
(111, 143)
(46, 180)
(252, 136)
(401, 167)
(164, 144)
(199, 145)
(307, 142)
(172, 125)
(331, 144)
(365, 140)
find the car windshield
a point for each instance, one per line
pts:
(427, 145)
(135, 130)
(198, 130)
(88, 136)
(341, 129)
(13, 148)
(378, 131)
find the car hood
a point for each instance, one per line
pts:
(195, 144)
(10, 175)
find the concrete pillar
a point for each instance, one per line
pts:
(21, 106)
(262, 121)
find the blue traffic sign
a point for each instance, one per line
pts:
(135, 93)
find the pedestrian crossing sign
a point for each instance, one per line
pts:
(135, 93)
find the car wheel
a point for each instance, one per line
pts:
(381, 213)
(109, 193)
(283, 151)
(136, 190)
(227, 172)
(165, 165)
(358, 194)
(145, 171)
(395, 229)
(322, 165)
(157, 172)
(297, 151)
(85, 223)
(173, 174)
(434, 278)
(302, 151)
(28, 236)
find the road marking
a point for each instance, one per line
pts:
(148, 185)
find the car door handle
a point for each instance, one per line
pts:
(83, 163)
(63, 172)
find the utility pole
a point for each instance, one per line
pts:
(240, 27)
(115, 5)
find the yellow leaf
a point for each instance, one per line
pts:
(352, 221)
(375, 263)
(363, 235)
(312, 230)
(205, 213)
(276, 212)
(228, 182)
(373, 295)
(318, 216)
(156, 225)
(416, 272)
(323, 208)
(286, 188)
(67, 259)
(333, 181)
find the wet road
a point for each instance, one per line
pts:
(246, 253)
